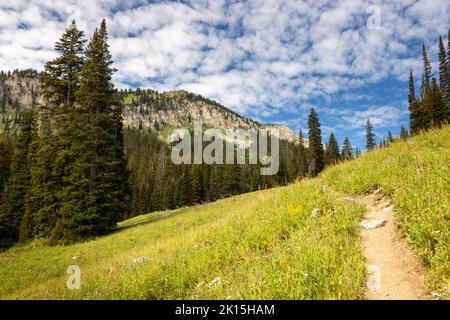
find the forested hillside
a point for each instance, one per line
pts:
(66, 135)
(262, 245)
(78, 155)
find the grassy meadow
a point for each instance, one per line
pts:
(261, 245)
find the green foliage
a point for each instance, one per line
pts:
(444, 73)
(432, 108)
(7, 230)
(69, 180)
(370, 137)
(62, 74)
(316, 163)
(95, 195)
(403, 132)
(19, 181)
(157, 184)
(266, 235)
(332, 154)
(347, 150)
(415, 175)
(262, 245)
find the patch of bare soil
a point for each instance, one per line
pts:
(394, 272)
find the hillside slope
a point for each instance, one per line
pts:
(262, 245)
(143, 108)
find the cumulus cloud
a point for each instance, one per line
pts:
(256, 57)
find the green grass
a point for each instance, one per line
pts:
(128, 99)
(261, 245)
(415, 174)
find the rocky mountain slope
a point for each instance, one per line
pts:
(142, 108)
(19, 89)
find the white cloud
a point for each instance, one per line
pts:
(251, 56)
(384, 116)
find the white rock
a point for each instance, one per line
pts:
(373, 224)
(388, 209)
(215, 282)
(315, 213)
(141, 259)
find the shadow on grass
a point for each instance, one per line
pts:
(151, 219)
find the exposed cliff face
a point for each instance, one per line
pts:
(179, 108)
(142, 108)
(20, 89)
(176, 109)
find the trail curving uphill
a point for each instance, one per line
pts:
(394, 272)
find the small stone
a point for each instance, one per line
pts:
(373, 224)
(315, 213)
(346, 199)
(141, 259)
(388, 209)
(214, 282)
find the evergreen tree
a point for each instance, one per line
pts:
(403, 132)
(197, 184)
(49, 156)
(19, 181)
(444, 73)
(448, 72)
(370, 137)
(95, 195)
(347, 151)
(301, 138)
(315, 144)
(7, 231)
(414, 106)
(61, 77)
(188, 192)
(424, 114)
(231, 180)
(438, 109)
(427, 74)
(332, 154)
(41, 201)
(390, 138)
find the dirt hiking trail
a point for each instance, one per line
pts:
(394, 272)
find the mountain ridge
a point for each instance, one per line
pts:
(143, 108)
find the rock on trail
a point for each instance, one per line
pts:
(394, 272)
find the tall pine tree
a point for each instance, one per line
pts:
(7, 231)
(438, 109)
(95, 197)
(448, 74)
(424, 114)
(19, 181)
(62, 75)
(50, 161)
(332, 153)
(444, 72)
(370, 137)
(315, 144)
(414, 106)
(347, 151)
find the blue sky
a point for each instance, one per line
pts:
(271, 60)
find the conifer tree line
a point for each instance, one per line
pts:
(67, 171)
(157, 184)
(431, 107)
(71, 171)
